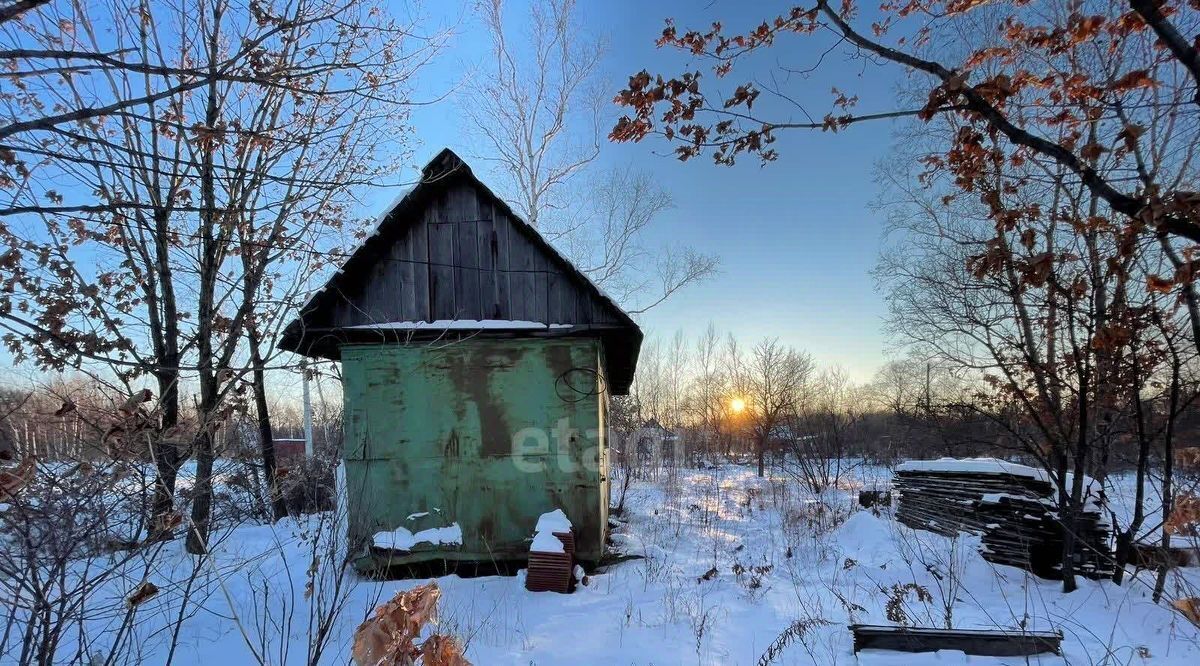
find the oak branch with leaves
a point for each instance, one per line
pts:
(1077, 82)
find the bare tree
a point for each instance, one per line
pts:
(304, 149)
(53, 41)
(1059, 315)
(820, 432)
(623, 424)
(678, 359)
(290, 190)
(606, 238)
(527, 108)
(537, 110)
(1109, 74)
(771, 382)
(608, 248)
(210, 201)
(927, 405)
(710, 388)
(71, 534)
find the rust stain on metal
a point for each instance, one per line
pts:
(438, 433)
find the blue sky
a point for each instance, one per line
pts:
(797, 238)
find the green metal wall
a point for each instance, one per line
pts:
(431, 426)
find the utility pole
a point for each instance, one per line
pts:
(928, 388)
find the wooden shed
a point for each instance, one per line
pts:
(477, 365)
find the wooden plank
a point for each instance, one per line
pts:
(489, 294)
(363, 304)
(424, 277)
(580, 302)
(351, 300)
(522, 260)
(464, 258)
(389, 290)
(466, 271)
(441, 270)
(980, 642)
(600, 313)
(1152, 555)
(537, 303)
(339, 311)
(376, 290)
(584, 305)
(1017, 528)
(503, 278)
(419, 248)
(463, 210)
(550, 296)
(562, 300)
(408, 276)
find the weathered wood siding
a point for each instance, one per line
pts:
(465, 258)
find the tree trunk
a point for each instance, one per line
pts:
(1168, 478)
(202, 490)
(1126, 538)
(1121, 555)
(761, 445)
(197, 538)
(1075, 506)
(166, 455)
(208, 269)
(265, 432)
(1067, 515)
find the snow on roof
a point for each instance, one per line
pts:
(402, 539)
(401, 193)
(1091, 489)
(977, 465)
(546, 542)
(554, 521)
(460, 324)
(982, 466)
(548, 523)
(996, 498)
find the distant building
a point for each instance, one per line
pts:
(653, 441)
(288, 451)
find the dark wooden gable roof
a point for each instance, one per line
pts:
(451, 251)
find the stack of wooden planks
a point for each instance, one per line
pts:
(1012, 507)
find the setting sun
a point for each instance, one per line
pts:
(737, 405)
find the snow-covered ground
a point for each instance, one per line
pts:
(728, 567)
